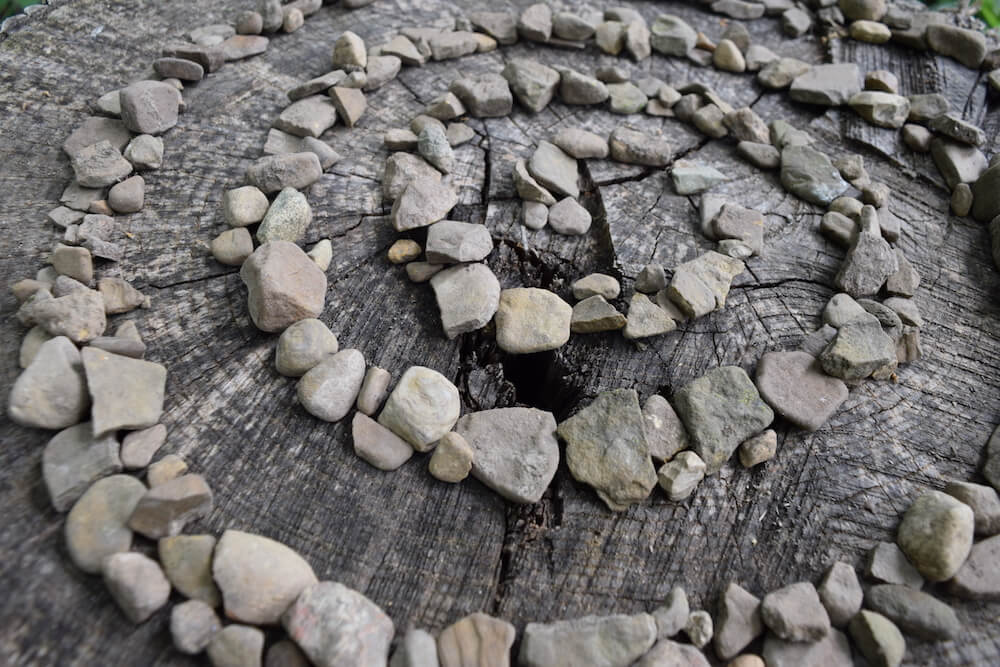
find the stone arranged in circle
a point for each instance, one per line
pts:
(477, 639)
(149, 107)
(888, 564)
(168, 507)
(139, 447)
(452, 459)
(423, 202)
(284, 286)
(192, 626)
(590, 640)
(681, 475)
(328, 389)
(795, 613)
(533, 84)
(273, 173)
(187, 562)
(378, 445)
(236, 645)
(632, 147)
(484, 96)
(302, 346)
(581, 144)
(916, 613)
(126, 393)
(136, 583)
(594, 314)
(52, 391)
(97, 526)
(422, 407)
(286, 219)
(936, 534)
(738, 621)
(73, 459)
(827, 85)
(832, 651)
(808, 174)
(879, 640)
(569, 217)
(841, 594)
(467, 296)
(794, 384)
(529, 320)
(554, 170)
(452, 242)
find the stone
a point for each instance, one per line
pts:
(445, 107)
(515, 451)
(119, 345)
(127, 393)
(187, 563)
(476, 639)
(233, 246)
(178, 68)
(794, 385)
(168, 507)
(869, 261)
(936, 534)
(626, 98)
(79, 315)
(701, 285)
(417, 648)
(149, 107)
(983, 500)
(554, 169)
(831, 651)
(839, 228)
(243, 46)
(273, 173)
(484, 96)
(637, 39)
(404, 49)
(745, 125)
(917, 137)
(651, 279)
(452, 44)
(666, 652)
(692, 177)
(192, 626)
(529, 189)
(320, 84)
(73, 459)
(809, 174)
(612, 74)
(293, 19)
(530, 320)
(633, 147)
(860, 349)
(94, 130)
(758, 449)
(421, 272)
(709, 121)
(680, 476)
(827, 85)
(380, 71)
(594, 314)
(302, 346)
(872, 32)
(739, 621)
(403, 168)
(244, 206)
(286, 654)
(168, 468)
(99, 165)
(236, 646)
(423, 407)
(535, 23)
(879, 640)
(950, 125)
(762, 156)
(284, 286)
(728, 57)
(307, 117)
(841, 594)
(328, 389)
(961, 199)
(795, 22)
(64, 217)
(459, 133)
(581, 144)
(96, 526)
(350, 103)
(374, 389)
(986, 200)
(400, 140)
(136, 583)
(699, 628)
(966, 46)
(795, 613)
(596, 284)
(883, 81)
(646, 319)
(501, 26)
(76, 263)
(906, 309)
(378, 445)
(916, 613)
(119, 296)
(905, 280)
(863, 10)
(349, 52)
(30, 345)
(467, 296)
(671, 36)
(926, 107)
(736, 222)
(665, 433)
(759, 56)
(127, 196)
(423, 202)
(886, 563)
(601, 641)
(452, 242)
(569, 217)
(580, 89)
(881, 109)
(779, 74)
(533, 84)
(720, 410)
(452, 459)
(672, 616)
(978, 578)
(286, 219)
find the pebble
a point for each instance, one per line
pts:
(76, 263)
(966, 46)
(109, 104)
(244, 206)
(148, 107)
(594, 314)
(452, 242)
(671, 36)
(349, 53)
(926, 107)
(284, 286)
(467, 296)
(680, 476)
(380, 71)
(178, 68)
(950, 125)
(404, 49)
(96, 526)
(590, 640)
(606, 448)
(983, 500)
(233, 246)
(423, 202)
(302, 346)
(423, 407)
(651, 279)
(827, 85)
(878, 639)
(403, 168)
(917, 137)
(445, 107)
(136, 583)
(378, 445)
(484, 96)
(453, 44)
(554, 170)
(863, 10)
(762, 156)
(530, 320)
(350, 103)
(596, 284)
(374, 389)
(79, 315)
(960, 163)
(476, 640)
(168, 468)
(883, 81)
(64, 217)
(673, 614)
(236, 646)
(860, 349)
(73, 459)
(286, 219)
(666, 652)
(986, 194)
(192, 626)
(794, 384)
(99, 165)
(328, 390)
(692, 177)
(127, 196)
(243, 46)
(612, 74)
(581, 89)
(646, 319)
(452, 459)
(905, 280)
(145, 152)
(758, 449)
(961, 199)
(187, 562)
(979, 577)
(886, 563)
(307, 117)
(936, 534)
(728, 57)
(533, 84)
(881, 109)
(258, 577)
(421, 272)
(30, 345)
(93, 130)
(320, 84)
(809, 174)
(633, 147)
(127, 393)
(119, 296)
(872, 32)
(699, 628)
(273, 173)
(569, 217)
(701, 285)
(916, 613)
(745, 125)
(709, 121)
(831, 651)
(739, 621)
(286, 654)
(535, 23)
(459, 133)
(795, 613)
(581, 144)
(51, 392)
(515, 451)
(841, 594)
(758, 56)
(779, 74)
(167, 508)
(501, 26)
(626, 98)
(665, 433)
(743, 224)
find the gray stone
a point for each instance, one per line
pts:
(758, 56)
(886, 563)
(350, 102)
(532, 83)
(119, 296)
(966, 46)
(863, 10)
(869, 261)
(581, 144)
(292, 170)
(554, 169)
(692, 177)
(569, 217)
(709, 119)
(530, 320)
(950, 125)
(328, 390)
(484, 96)
(73, 459)
(666, 653)
(400, 140)
(841, 594)
(76, 263)
(64, 217)
(906, 309)
(459, 133)
(983, 500)
(187, 562)
(178, 68)
(633, 147)
(721, 409)
(374, 389)
(927, 106)
(451, 242)
(917, 137)
(452, 459)
(149, 107)
(423, 407)
(401, 169)
(417, 648)
(236, 646)
(535, 23)
(985, 192)
(626, 98)
(284, 286)
(168, 507)
(745, 125)
(601, 641)
(286, 219)
(452, 44)
(701, 285)
(96, 526)
(571, 27)
(530, 190)
(401, 47)
(421, 272)
(779, 74)
(809, 174)
(916, 613)
(302, 346)
(233, 246)
(515, 451)
(94, 130)
(738, 621)
(607, 449)
(127, 196)
(99, 165)
(192, 626)
(795, 613)
(879, 640)
(738, 9)
(936, 534)
(665, 433)
(905, 280)
(378, 445)
(307, 117)
(762, 156)
(672, 616)
(349, 52)
(320, 84)
(467, 296)
(743, 224)
(651, 279)
(979, 577)
(831, 651)
(30, 345)
(580, 89)
(827, 85)
(167, 468)
(860, 349)
(961, 200)
(136, 583)
(612, 74)
(286, 654)
(501, 26)
(672, 36)
(758, 449)
(728, 57)
(680, 476)
(646, 319)
(445, 107)
(699, 628)
(243, 46)
(795, 22)
(883, 81)
(881, 109)
(793, 383)
(596, 284)
(109, 103)
(423, 202)
(127, 393)
(244, 206)
(637, 39)
(51, 392)
(477, 639)
(119, 345)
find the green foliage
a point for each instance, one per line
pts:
(11, 7)
(990, 12)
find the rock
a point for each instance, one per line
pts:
(96, 526)
(881, 109)
(916, 613)
(535, 23)
(554, 169)
(699, 628)
(596, 284)
(795, 613)
(532, 83)
(178, 68)
(530, 320)
(73, 262)
(380, 71)
(423, 202)
(286, 219)
(594, 314)
(320, 84)
(94, 130)
(960, 163)
(666, 652)
(258, 577)
(374, 389)
(831, 651)
(827, 85)
(403, 168)
(680, 476)
(701, 285)
(665, 433)
(626, 98)
(64, 217)
(192, 626)
(926, 107)
(302, 346)
(515, 451)
(872, 32)
(762, 156)
(451, 242)
(671, 36)
(905, 280)
(950, 125)
(841, 594)
(79, 315)
(580, 89)
(349, 52)
(883, 81)
(672, 616)
(758, 449)
(728, 57)
(978, 578)
(404, 49)
(467, 295)
(983, 500)
(633, 147)
(378, 445)
(445, 107)
(501, 26)
(745, 125)
(119, 296)
(417, 648)
(528, 188)
(906, 309)
(601, 641)
(149, 107)
(284, 286)
(739, 621)
(917, 137)
(187, 562)
(879, 640)
(166, 469)
(651, 279)
(966, 46)
(580, 143)
(646, 319)
(743, 224)
(328, 390)
(869, 261)
(452, 459)
(961, 199)
(244, 206)
(569, 217)
(986, 200)
(793, 383)
(452, 44)
(51, 392)
(759, 56)
(421, 272)
(936, 534)
(292, 170)
(841, 309)
(168, 507)
(459, 133)
(863, 10)
(860, 349)
(233, 246)
(422, 408)
(243, 46)
(99, 165)
(795, 22)
(779, 74)
(484, 96)
(888, 564)
(30, 345)
(73, 459)
(136, 583)
(809, 174)
(477, 639)
(350, 103)
(721, 409)
(236, 646)
(307, 117)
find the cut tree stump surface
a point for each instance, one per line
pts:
(429, 552)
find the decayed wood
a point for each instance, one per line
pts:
(426, 551)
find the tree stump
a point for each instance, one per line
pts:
(429, 552)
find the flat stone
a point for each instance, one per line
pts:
(119, 345)
(701, 285)
(607, 449)
(983, 500)
(743, 224)
(646, 319)
(666, 652)
(926, 107)
(187, 562)
(605, 641)
(178, 68)
(966, 46)
(467, 296)
(452, 460)
(168, 507)
(459, 133)
(738, 621)
(378, 445)
(236, 646)
(979, 577)
(328, 390)
(841, 594)
(886, 563)
(501, 26)
(535, 23)
(692, 177)
(284, 286)
(94, 130)
(421, 272)
(795, 613)
(671, 36)
(127, 393)
(529, 320)
(794, 384)
(74, 262)
(168, 468)
(96, 526)
(762, 156)
(73, 459)
(99, 165)
(883, 81)
(476, 640)
(905, 280)
(307, 117)
(879, 640)
(881, 109)
(728, 57)
(127, 196)
(665, 433)
(961, 200)
(569, 217)
(758, 449)
(626, 98)
(423, 202)
(758, 56)
(285, 653)
(374, 389)
(831, 651)
(286, 219)
(192, 626)
(445, 107)
(680, 476)
(244, 206)
(738, 9)
(827, 85)
(936, 534)
(79, 315)
(452, 242)
(400, 140)
(581, 89)
(452, 44)
(533, 84)
(633, 147)
(869, 261)
(594, 314)
(699, 628)
(596, 284)
(860, 348)
(239, 47)
(423, 407)
(349, 102)
(302, 346)
(570, 26)
(119, 296)
(51, 392)
(210, 58)
(484, 96)
(916, 613)
(809, 174)
(554, 169)
(149, 107)
(950, 125)
(401, 169)
(779, 74)
(319, 84)
(136, 583)
(672, 615)
(745, 125)
(291, 170)
(580, 143)
(64, 217)
(30, 345)
(404, 49)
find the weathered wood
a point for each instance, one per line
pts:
(429, 552)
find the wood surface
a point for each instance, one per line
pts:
(429, 552)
